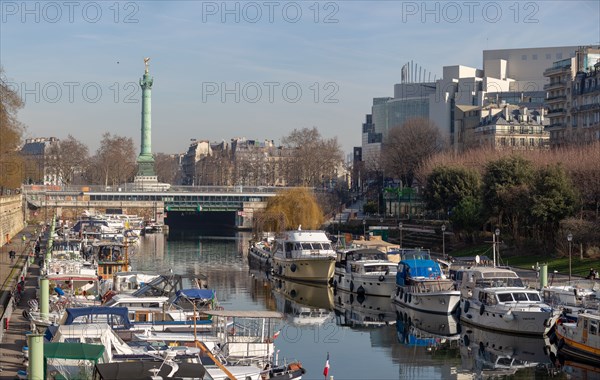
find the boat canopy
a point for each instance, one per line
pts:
(201, 294)
(365, 254)
(73, 351)
(99, 314)
(142, 370)
(243, 313)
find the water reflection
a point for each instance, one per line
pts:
(302, 303)
(362, 311)
(491, 354)
(422, 329)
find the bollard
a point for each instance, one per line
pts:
(35, 369)
(543, 275)
(44, 297)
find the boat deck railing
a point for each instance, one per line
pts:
(432, 286)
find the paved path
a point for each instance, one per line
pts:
(15, 326)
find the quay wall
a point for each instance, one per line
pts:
(12, 219)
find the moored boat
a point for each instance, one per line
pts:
(304, 256)
(365, 272)
(422, 285)
(496, 299)
(580, 340)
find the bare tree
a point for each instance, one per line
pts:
(11, 173)
(313, 159)
(167, 168)
(114, 161)
(410, 145)
(67, 158)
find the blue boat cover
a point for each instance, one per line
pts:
(204, 294)
(116, 317)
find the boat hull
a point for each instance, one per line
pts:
(572, 345)
(258, 258)
(318, 269)
(534, 320)
(438, 297)
(381, 285)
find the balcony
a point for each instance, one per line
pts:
(557, 70)
(557, 112)
(555, 99)
(554, 85)
(555, 127)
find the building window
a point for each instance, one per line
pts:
(531, 142)
(548, 56)
(524, 57)
(534, 57)
(558, 55)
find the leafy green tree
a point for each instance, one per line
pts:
(447, 186)
(466, 216)
(506, 191)
(554, 198)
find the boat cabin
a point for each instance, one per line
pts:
(364, 261)
(112, 258)
(484, 277)
(299, 244)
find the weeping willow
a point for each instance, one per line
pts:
(290, 209)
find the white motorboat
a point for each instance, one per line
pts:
(422, 285)
(575, 294)
(304, 256)
(496, 299)
(365, 272)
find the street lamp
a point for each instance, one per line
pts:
(400, 228)
(444, 240)
(497, 232)
(569, 239)
(365, 229)
(495, 240)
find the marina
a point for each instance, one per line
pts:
(316, 320)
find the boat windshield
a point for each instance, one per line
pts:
(518, 297)
(311, 246)
(500, 283)
(416, 256)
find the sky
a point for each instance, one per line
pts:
(253, 69)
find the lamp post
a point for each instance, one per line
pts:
(365, 229)
(569, 239)
(400, 228)
(495, 239)
(444, 240)
(497, 233)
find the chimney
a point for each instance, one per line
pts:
(506, 113)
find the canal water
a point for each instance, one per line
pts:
(364, 338)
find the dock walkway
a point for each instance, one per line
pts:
(14, 326)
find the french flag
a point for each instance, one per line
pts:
(326, 369)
